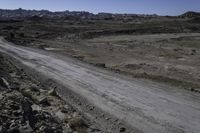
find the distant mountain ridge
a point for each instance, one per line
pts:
(22, 13)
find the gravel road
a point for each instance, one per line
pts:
(144, 105)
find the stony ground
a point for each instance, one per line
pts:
(165, 49)
(168, 58)
(26, 106)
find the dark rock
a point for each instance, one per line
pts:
(122, 129)
(21, 130)
(14, 107)
(60, 115)
(45, 116)
(192, 89)
(16, 130)
(17, 113)
(4, 83)
(93, 129)
(64, 110)
(15, 87)
(12, 125)
(67, 109)
(67, 129)
(101, 65)
(107, 118)
(28, 112)
(13, 130)
(49, 130)
(2, 129)
(77, 123)
(44, 101)
(26, 105)
(35, 88)
(52, 92)
(91, 108)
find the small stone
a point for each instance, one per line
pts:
(92, 108)
(107, 118)
(52, 92)
(28, 114)
(67, 129)
(101, 65)
(36, 108)
(1, 96)
(60, 115)
(14, 107)
(76, 122)
(49, 130)
(65, 110)
(102, 115)
(34, 88)
(17, 113)
(122, 129)
(13, 131)
(1, 128)
(145, 73)
(93, 129)
(41, 128)
(79, 103)
(4, 83)
(44, 101)
(15, 87)
(21, 130)
(12, 125)
(28, 127)
(26, 106)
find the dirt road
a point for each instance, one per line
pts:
(144, 105)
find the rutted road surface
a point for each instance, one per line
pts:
(146, 106)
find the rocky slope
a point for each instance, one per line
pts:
(26, 106)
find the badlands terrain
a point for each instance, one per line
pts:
(80, 72)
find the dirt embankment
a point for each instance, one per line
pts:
(27, 106)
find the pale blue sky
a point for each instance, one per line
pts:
(162, 7)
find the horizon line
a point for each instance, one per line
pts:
(91, 12)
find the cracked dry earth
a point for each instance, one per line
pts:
(26, 106)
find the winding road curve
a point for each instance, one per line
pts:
(150, 107)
